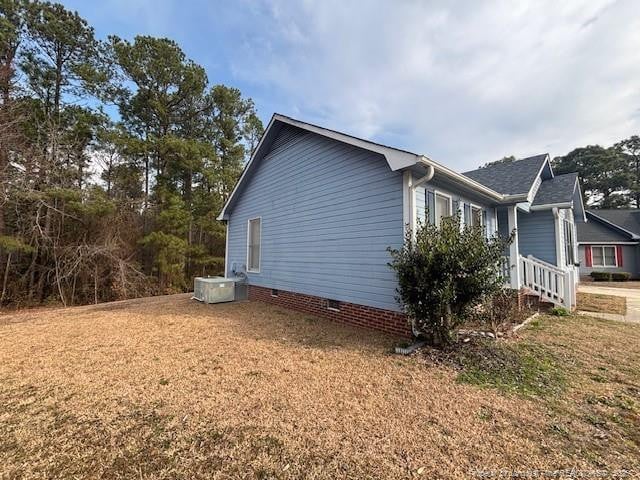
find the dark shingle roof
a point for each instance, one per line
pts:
(509, 178)
(628, 219)
(594, 231)
(559, 189)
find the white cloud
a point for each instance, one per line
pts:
(463, 82)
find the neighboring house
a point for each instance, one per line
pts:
(311, 218)
(608, 242)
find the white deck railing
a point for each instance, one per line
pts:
(550, 282)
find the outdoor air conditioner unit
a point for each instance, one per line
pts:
(214, 289)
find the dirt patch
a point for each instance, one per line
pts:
(171, 388)
(598, 302)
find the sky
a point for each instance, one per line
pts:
(463, 82)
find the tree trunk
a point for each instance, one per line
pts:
(5, 279)
(58, 282)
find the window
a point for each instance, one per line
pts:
(476, 216)
(443, 207)
(569, 252)
(604, 256)
(467, 214)
(431, 206)
(472, 215)
(333, 305)
(253, 245)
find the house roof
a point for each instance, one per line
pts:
(594, 231)
(557, 190)
(622, 221)
(511, 178)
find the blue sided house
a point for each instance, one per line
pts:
(610, 241)
(312, 215)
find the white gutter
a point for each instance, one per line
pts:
(551, 205)
(430, 172)
(465, 180)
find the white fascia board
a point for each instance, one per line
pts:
(397, 159)
(584, 210)
(223, 213)
(549, 206)
(531, 194)
(460, 178)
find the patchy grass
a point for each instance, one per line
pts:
(597, 302)
(170, 388)
(524, 368)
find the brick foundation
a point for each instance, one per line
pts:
(385, 321)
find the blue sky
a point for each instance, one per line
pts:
(463, 82)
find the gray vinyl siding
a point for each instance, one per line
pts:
(536, 235)
(329, 211)
(630, 261)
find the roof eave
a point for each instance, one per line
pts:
(549, 206)
(223, 213)
(614, 225)
(531, 194)
(459, 177)
(396, 159)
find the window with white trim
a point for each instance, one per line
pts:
(476, 216)
(603, 256)
(443, 207)
(253, 245)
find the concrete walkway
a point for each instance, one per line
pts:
(631, 294)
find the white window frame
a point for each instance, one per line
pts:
(603, 265)
(437, 218)
(248, 237)
(480, 209)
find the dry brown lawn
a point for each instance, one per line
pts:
(597, 302)
(629, 284)
(170, 388)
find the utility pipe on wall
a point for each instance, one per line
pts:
(412, 192)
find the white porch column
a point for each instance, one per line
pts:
(514, 249)
(557, 224)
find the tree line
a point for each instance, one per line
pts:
(115, 157)
(609, 176)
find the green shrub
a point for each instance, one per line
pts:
(621, 276)
(601, 276)
(560, 312)
(444, 272)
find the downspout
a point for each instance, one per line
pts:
(430, 172)
(413, 185)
